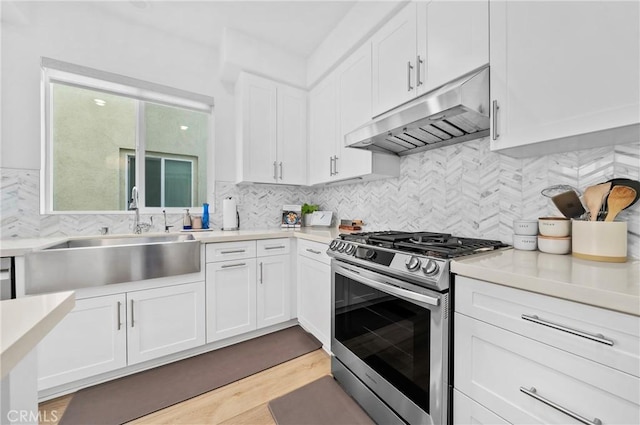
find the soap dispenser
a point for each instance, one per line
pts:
(186, 221)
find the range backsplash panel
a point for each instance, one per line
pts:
(464, 189)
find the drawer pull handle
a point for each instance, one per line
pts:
(235, 251)
(597, 338)
(275, 247)
(313, 251)
(531, 392)
(226, 266)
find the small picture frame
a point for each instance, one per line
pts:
(291, 216)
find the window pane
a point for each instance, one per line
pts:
(177, 183)
(179, 135)
(153, 182)
(88, 130)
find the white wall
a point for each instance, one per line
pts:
(79, 33)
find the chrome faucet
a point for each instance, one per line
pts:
(133, 205)
(166, 228)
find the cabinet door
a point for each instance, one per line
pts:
(314, 298)
(273, 290)
(90, 340)
(560, 69)
(323, 133)
(166, 320)
(231, 298)
(256, 110)
(394, 61)
(292, 136)
(457, 38)
(512, 375)
(354, 107)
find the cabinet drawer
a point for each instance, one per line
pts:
(467, 411)
(314, 250)
(230, 251)
(560, 323)
(493, 367)
(273, 246)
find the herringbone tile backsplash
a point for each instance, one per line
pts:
(463, 189)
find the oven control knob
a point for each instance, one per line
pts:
(350, 249)
(413, 263)
(370, 254)
(430, 268)
(334, 245)
(341, 246)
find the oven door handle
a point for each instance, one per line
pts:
(389, 288)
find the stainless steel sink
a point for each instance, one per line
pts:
(83, 263)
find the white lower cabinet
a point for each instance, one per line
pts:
(163, 321)
(106, 333)
(248, 292)
(314, 290)
(231, 298)
(468, 411)
(274, 287)
(521, 374)
(90, 340)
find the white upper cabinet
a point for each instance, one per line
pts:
(337, 105)
(563, 69)
(457, 39)
(323, 130)
(394, 49)
(271, 131)
(426, 45)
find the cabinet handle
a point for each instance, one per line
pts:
(313, 251)
(235, 251)
(418, 62)
(119, 317)
(275, 247)
(496, 135)
(280, 170)
(331, 166)
(132, 313)
(226, 266)
(335, 165)
(275, 170)
(531, 392)
(597, 338)
(260, 272)
(409, 68)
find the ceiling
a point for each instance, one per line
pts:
(297, 27)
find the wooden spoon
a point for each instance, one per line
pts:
(594, 196)
(619, 198)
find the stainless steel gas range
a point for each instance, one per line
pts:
(390, 321)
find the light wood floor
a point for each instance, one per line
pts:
(242, 402)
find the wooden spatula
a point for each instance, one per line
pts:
(594, 196)
(619, 198)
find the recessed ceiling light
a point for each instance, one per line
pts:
(183, 127)
(100, 102)
(140, 4)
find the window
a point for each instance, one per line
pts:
(99, 127)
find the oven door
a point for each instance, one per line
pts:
(392, 335)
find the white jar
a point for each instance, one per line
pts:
(525, 242)
(525, 227)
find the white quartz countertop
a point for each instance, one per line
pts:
(18, 247)
(25, 321)
(614, 286)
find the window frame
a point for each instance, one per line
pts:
(163, 159)
(54, 71)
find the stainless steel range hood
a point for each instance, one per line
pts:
(453, 113)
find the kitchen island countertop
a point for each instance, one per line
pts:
(614, 286)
